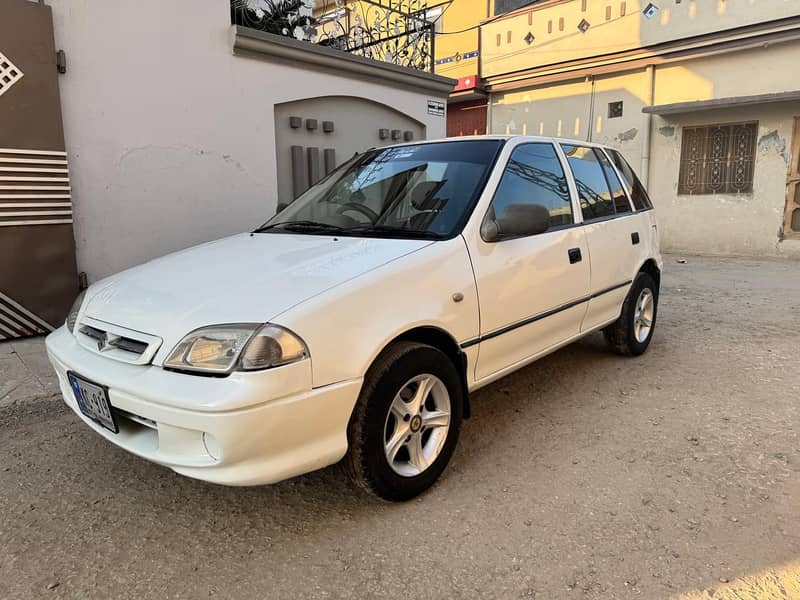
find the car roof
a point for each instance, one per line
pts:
(525, 138)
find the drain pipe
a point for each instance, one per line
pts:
(644, 171)
(489, 128)
(591, 109)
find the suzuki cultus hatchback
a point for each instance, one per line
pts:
(353, 324)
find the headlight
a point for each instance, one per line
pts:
(72, 315)
(272, 346)
(246, 347)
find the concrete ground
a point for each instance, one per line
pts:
(585, 475)
(25, 373)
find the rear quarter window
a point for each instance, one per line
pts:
(621, 204)
(641, 201)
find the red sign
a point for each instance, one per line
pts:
(466, 83)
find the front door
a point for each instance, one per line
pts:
(38, 280)
(530, 288)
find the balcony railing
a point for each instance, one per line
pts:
(392, 31)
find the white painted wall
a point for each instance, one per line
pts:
(170, 136)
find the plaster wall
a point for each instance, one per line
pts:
(170, 136)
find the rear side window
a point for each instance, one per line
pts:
(621, 203)
(593, 192)
(534, 175)
(635, 188)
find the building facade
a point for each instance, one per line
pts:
(700, 95)
(440, 36)
(458, 55)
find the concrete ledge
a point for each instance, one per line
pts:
(258, 44)
(697, 105)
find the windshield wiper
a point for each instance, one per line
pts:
(301, 226)
(394, 231)
(366, 230)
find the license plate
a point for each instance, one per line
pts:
(93, 401)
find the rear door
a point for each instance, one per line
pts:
(644, 215)
(530, 288)
(613, 233)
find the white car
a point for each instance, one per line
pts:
(354, 323)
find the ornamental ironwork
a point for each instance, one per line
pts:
(393, 31)
(718, 159)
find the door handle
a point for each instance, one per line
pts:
(574, 255)
(635, 238)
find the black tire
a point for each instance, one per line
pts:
(620, 335)
(366, 462)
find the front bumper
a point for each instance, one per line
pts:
(244, 429)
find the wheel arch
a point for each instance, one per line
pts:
(440, 339)
(651, 268)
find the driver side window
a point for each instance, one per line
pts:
(534, 175)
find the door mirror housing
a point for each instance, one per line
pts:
(517, 220)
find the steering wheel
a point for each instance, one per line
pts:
(362, 208)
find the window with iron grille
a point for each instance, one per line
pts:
(614, 110)
(718, 159)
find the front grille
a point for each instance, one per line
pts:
(121, 342)
(118, 412)
(117, 342)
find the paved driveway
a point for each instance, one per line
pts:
(585, 475)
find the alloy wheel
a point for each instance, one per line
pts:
(417, 425)
(643, 315)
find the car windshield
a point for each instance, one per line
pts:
(420, 190)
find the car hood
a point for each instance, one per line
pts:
(241, 279)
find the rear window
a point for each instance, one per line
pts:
(635, 188)
(593, 191)
(617, 193)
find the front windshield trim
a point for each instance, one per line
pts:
(273, 225)
(369, 231)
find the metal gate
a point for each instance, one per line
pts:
(38, 279)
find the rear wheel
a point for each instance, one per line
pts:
(405, 426)
(630, 335)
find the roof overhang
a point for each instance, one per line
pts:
(677, 108)
(468, 89)
(467, 96)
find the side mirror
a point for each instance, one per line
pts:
(517, 220)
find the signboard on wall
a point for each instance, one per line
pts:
(436, 107)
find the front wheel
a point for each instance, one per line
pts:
(631, 333)
(405, 426)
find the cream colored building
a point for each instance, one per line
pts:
(702, 96)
